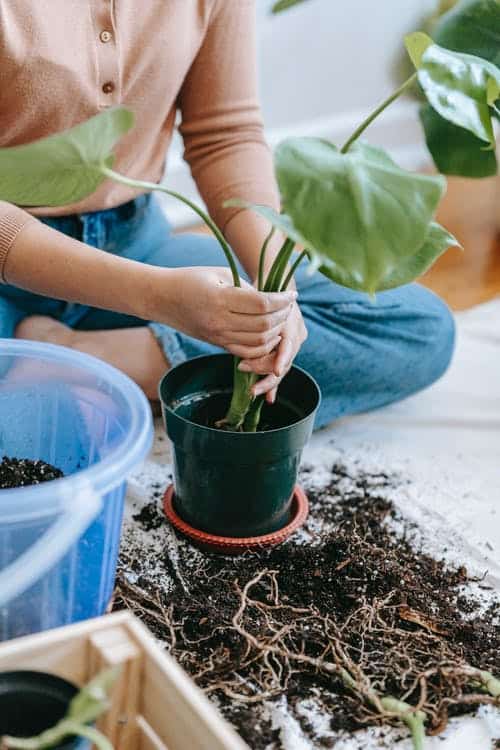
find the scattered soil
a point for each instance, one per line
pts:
(21, 472)
(324, 621)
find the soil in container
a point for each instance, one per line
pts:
(22, 472)
(206, 410)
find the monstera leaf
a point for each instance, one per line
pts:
(365, 223)
(437, 241)
(62, 168)
(456, 151)
(461, 88)
(360, 214)
(473, 26)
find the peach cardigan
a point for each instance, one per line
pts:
(65, 60)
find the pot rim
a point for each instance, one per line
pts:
(246, 435)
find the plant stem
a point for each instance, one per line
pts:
(359, 131)
(252, 418)
(262, 259)
(414, 720)
(140, 184)
(292, 270)
(278, 268)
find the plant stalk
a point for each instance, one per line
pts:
(278, 268)
(292, 270)
(140, 184)
(376, 112)
(262, 260)
(245, 410)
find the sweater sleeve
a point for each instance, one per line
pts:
(12, 222)
(221, 120)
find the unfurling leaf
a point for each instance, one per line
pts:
(458, 86)
(65, 167)
(359, 215)
(416, 44)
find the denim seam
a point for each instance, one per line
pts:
(169, 341)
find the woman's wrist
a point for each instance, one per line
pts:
(156, 290)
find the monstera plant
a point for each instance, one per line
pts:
(358, 218)
(471, 27)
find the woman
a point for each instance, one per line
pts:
(106, 276)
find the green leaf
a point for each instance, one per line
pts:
(473, 26)
(282, 5)
(458, 86)
(62, 168)
(492, 91)
(358, 213)
(438, 240)
(416, 44)
(456, 151)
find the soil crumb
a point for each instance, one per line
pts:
(22, 472)
(346, 613)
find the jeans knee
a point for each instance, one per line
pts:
(437, 335)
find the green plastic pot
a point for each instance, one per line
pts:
(234, 484)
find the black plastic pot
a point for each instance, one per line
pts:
(31, 702)
(227, 483)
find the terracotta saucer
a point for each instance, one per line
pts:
(228, 545)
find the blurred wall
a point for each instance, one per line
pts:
(322, 67)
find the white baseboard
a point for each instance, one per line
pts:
(399, 131)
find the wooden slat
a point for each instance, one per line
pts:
(148, 739)
(114, 647)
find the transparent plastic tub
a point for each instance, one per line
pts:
(59, 540)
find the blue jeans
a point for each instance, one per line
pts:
(362, 354)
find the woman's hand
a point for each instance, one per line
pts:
(275, 365)
(203, 302)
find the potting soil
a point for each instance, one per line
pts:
(22, 472)
(270, 636)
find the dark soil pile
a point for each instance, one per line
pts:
(355, 617)
(21, 472)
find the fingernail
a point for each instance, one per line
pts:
(243, 367)
(273, 398)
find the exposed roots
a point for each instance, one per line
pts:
(362, 618)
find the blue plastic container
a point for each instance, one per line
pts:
(59, 540)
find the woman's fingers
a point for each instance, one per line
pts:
(247, 352)
(248, 301)
(268, 383)
(284, 357)
(271, 396)
(256, 323)
(252, 338)
(261, 366)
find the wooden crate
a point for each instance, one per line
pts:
(154, 704)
